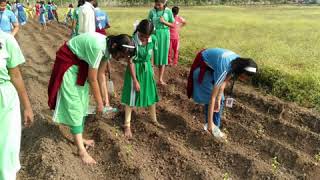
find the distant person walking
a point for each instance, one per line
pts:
(21, 13)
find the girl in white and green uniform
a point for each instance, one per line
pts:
(139, 89)
(72, 99)
(12, 91)
(162, 19)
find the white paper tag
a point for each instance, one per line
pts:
(229, 102)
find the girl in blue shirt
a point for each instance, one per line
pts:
(211, 71)
(8, 21)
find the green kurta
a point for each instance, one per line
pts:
(162, 33)
(10, 115)
(144, 73)
(73, 100)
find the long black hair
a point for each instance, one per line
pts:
(145, 26)
(121, 43)
(240, 66)
(80, 2)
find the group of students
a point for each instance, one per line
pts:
(81, 64)
(46, 13)
(88, 17)
(11, 16)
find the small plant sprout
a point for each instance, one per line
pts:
(275, 164)
(129, 149)
(317, 157)
(226, 176)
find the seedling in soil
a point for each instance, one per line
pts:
(275, 164)
(226, 176)
(128, 149)
(317, 157)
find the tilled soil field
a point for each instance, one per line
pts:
(259, 128)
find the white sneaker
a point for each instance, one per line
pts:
(216, 131)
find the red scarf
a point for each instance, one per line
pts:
(64, 60)
(197, 62)
(101, 31)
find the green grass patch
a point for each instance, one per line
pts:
(283, 40)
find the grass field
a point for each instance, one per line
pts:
(283, 40)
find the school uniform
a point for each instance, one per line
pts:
(162, 33)
(102, 21)
(50, 13)
(86, 18)
(209, 70)
(7, 18)
(147, 95)
(72, 98)
(42, 17)
(21, 14)
(10, 115)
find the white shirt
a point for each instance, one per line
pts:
(86, 18)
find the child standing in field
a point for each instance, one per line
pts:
(80, 65)
(162, 19)
(11, 90)
(42, 16)
(179, 22)
(139, 89)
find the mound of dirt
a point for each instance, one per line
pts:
(259, 128)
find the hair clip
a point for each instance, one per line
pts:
(128, 46)
(251, 69)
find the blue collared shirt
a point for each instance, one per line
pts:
(219, 60)
(7, 18)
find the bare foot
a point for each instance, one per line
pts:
(156, 123)
(88, 143)
(162, 83)
(127, 131)
(86, 158)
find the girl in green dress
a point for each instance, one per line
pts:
(12, 91)
(72, 97)
(139, 89)
(162, 19)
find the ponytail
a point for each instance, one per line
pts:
(121, 43)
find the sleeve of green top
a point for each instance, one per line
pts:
(15, 55)
(171, 18)
(150, 15)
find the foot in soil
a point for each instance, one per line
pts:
(127, 132)
(88, 143)
(86, 158)
(156, 123)
(162, 83)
